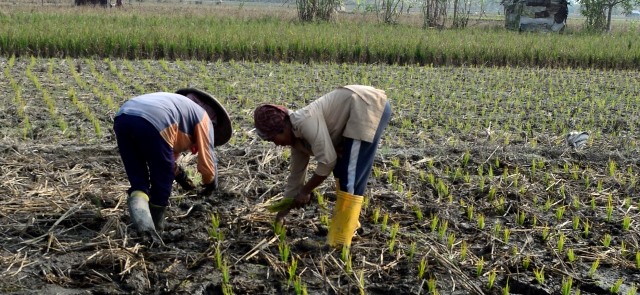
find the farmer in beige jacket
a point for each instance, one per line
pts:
(341, 130)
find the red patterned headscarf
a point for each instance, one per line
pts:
(269, 120)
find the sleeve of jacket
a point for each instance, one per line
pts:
(314, 130)
(297, 173)
(207, 161)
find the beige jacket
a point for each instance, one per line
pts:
(352, 111)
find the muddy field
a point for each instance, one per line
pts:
(474, 190)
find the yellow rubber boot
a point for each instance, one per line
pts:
(345, 219)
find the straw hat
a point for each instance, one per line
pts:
(222, 130)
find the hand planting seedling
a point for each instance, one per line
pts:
(283, 204)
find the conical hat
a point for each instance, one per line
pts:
(223, 129)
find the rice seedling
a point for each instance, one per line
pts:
(571, 256)
(422, 267)
(506, 233)
(432, 285)
(609, 209)
(412, 251)
(520, 217)
(479, 266)
(626, 222)
(561, 240)
(218, 257)
(451, 239)
(385, 219)
(463, 250)
(376, 215)
(291, 270)
(392, 240)
(442, 229)
(434, 222)
(594, 267)
(566, 285)
(539, 275)
(615, 288)
(585, 228)
(606, 240)
(214, 228)
(505, 289)
(575, 223)
(299, 287)
(491, 278)
(418, 212)
(480, 221)
(284, 250)
(560, 212)
(361, 282)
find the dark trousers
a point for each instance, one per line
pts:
(147, 158)
(354, 167)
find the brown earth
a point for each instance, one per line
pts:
(64, 228)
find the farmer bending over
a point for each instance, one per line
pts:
(152, 130)
(341, 130)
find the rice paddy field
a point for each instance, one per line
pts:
(474, 189)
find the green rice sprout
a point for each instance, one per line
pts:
(442, 229)
(566, 285)
(612, 168)
(418, 213)
(491, 279)
(284, 250)
(376, 215)
(560, 212)
(432, 285)
(526, 262)
(520, 217)
(539, 275)
(480, 221)
(606, 240)
(585, 228)
(479, 266)
(292, 270)
(422, 267)
(561, 240)
(616, 286)
(451, 239)
(571, 256)
(434, 222)
(218, 256)
(463, 250)
(594, 267)
(412, 251)
(299, 287)
(506, 233)
(626, 222)
(385, 219)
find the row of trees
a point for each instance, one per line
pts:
(597, 13)
(388, 11)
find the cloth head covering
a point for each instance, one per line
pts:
(269, 120)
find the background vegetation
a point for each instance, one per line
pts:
(218, 33)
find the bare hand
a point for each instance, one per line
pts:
(301, 200)
(281, 215)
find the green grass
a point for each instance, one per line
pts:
(186, 35)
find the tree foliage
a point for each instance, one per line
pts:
(311, 10)
(598, 13)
